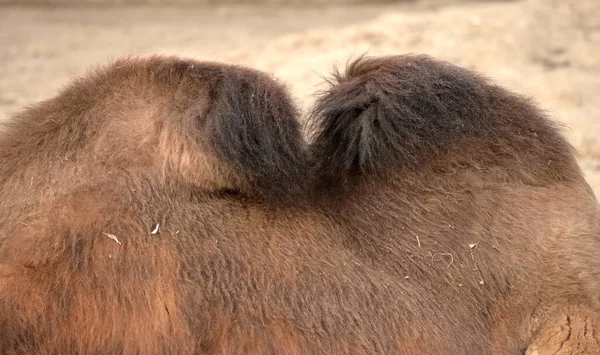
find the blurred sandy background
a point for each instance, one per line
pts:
(547, 49)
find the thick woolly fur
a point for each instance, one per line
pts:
(167, 206)
(468, 197)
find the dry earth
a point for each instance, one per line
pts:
(547, 49)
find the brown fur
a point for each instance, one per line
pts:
(440, 229)
(467, 191)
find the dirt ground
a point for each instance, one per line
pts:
(547, 49)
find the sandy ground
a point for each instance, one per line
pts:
(547, 49)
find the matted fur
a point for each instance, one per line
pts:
(162, 206)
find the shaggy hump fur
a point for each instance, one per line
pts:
(253, 126)
(112, 193)
(219, 127)
(120, 234)
(404, 111)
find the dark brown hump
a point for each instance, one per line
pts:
(402, 112)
